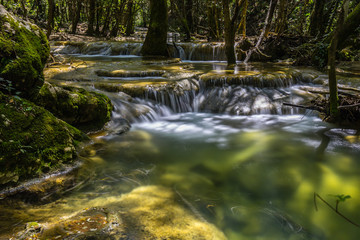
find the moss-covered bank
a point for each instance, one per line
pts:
(88, 111)
(24, 50)
(32, 141)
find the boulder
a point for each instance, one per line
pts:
(24, 50)
(86, 110)
(32, 141)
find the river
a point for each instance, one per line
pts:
(232, 154)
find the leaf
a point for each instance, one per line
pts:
(341, 197)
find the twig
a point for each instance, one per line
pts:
(349, 106)
(316, 108)
(349, 88)
(332, 208)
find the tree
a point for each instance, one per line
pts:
(230, 28)
(317, 18)
(156, 37)
(344, 28)
(50, 19)
(265, 30)
(214, 16)
(91, 21)
(76, 18)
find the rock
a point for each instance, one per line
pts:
(88, 111)
(24, 50)
(153, 212)
(148, 212)
(34, 141)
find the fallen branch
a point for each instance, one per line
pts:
(349, 106)
(313, 107)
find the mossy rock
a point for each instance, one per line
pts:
(33, 141)
(86, 110)
(24, 50)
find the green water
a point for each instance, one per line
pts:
(254, 177)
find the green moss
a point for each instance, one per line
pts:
(86, 110)
(23, 55)
(33, 141)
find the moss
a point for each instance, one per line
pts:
(24, 50)
(34, 141)
(86, 110)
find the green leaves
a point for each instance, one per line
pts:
(340, 198)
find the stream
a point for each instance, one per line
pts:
(219, 138)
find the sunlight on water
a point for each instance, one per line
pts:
(253, 176)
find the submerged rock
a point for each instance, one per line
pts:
(33, 141)
(148, 212)
(24, 50)
(76, 106)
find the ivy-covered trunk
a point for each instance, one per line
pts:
(155, 41)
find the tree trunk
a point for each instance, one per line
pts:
(282, 17)
(334, 98)
(351, 23)
(119, 12)
(155, 41)
(229, 34)
(182, 15)
(316, 18)
(242, 25)
(76, 19)
(50, 19)
(90, 30)
(214, 14)
(269, 17)
(189, 15)
(130, 19)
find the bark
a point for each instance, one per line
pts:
(265, 30)
(106, 26)
(119, 12)
(242, 26)
(334, 98)
(282, 17)
(91, 21)
(50, 20)
(189, 14)
(156, 37)
(332, 15)
(316, 18)
(214, 15)
(351, 23)
(229, 34)
(182, 15)
(130, 19)
(76, 19)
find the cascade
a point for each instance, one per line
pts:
(154, 91)
(219, 95)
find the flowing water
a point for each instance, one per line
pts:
(234, 156)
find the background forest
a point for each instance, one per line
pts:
(193, 19)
